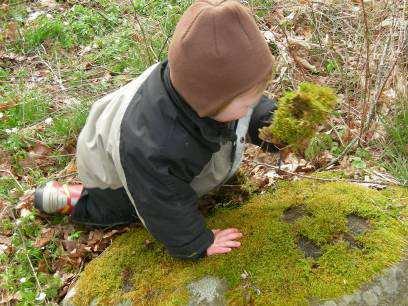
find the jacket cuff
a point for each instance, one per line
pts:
(262, 116)
(195, 249)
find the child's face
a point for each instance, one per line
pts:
(240, 106)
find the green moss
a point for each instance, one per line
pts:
(45, 28)
(298, 115)
(269, 251)
(319, 143)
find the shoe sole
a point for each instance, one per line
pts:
(38, 198)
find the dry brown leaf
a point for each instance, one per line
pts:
(11, 31)
(102, 245)
(4, 7)
(38, 157)
(69, 245)
(40, 149)
(99, 241)
(304, 63)
(94, 237)
(110, 234)
(6, 106)
(290, 163)
(46, 236)
(25, 201)
(42, 266)
(5, 300)
(79, 251)
(48, 3)
(296, 42)
(12, 57)
(87, 65)
(5, 244)
(5, 167)
(5, 240)
(62, 262)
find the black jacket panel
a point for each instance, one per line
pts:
(262, 116)
(163, 146)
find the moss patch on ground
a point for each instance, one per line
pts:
(303, 240)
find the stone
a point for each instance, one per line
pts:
(389, 282)
(208, 291)
(376, 290)
(370, 298)
(390, 288)
(67, 301)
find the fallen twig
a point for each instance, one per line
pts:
(367, 70)
(328, 179)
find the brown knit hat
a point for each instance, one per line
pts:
(217, 53)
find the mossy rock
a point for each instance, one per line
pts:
(303, 241)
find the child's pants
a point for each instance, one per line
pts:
(104, 208)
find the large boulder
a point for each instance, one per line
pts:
(304, 242)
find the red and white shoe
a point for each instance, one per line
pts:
(57, 198)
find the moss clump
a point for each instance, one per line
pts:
(141, 271)
(298, 115)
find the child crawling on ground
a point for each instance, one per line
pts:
(151, 148)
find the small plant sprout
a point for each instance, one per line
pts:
(74, 235)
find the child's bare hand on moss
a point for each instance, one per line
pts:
(224, 241)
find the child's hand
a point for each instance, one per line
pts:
(224, 241)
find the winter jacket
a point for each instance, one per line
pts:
(146, 138)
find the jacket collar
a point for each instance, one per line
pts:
(211, 130)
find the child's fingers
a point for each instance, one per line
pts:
(229, 244)
(215, 231)
(228, 237)
(227, 231)
(220, 250)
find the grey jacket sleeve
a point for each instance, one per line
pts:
(262, 116)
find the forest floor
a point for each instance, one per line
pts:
(58, 57)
